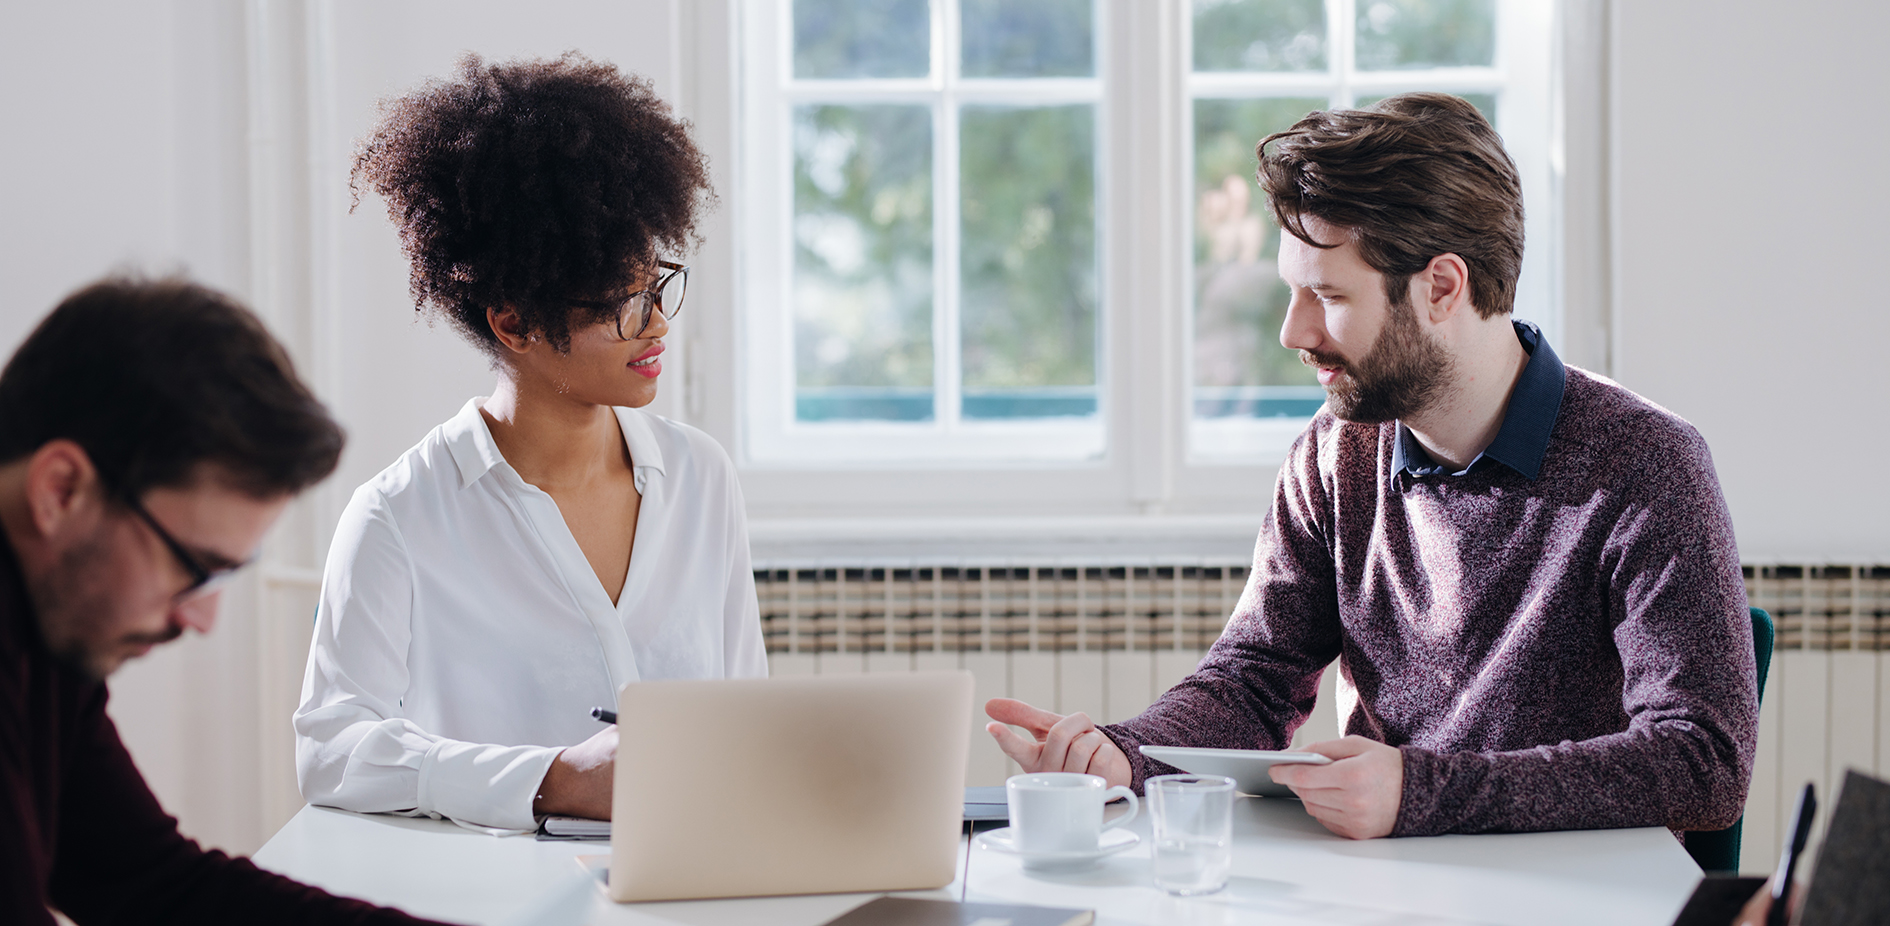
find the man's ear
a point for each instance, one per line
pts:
(510, 329)
(1442, 288)
(61, 487)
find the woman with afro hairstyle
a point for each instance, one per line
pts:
(552, 542)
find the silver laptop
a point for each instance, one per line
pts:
(797, 785)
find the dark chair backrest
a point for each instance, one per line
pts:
(1718, 850)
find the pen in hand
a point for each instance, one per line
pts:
(598, 713)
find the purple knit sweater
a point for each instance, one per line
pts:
(1565, 653)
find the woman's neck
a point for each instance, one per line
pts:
(553, 441)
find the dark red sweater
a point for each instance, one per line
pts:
(1570, 651)
(80, 831)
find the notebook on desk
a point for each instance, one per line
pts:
(555, 828)
(802, 785)
(986, 806)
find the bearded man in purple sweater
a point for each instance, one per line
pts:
(1526, 572)
(150, 432)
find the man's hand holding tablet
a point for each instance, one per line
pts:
(1063, 742)
(1357, 796)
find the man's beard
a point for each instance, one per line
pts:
(78, 612)
(1401, 376)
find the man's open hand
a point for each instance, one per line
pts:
(1357, 796)
(1062, 743)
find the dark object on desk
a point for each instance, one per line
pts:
(982, 805)
(985, 804)
(1797, 833)
(1851, 883)
(1717, 900)
(603, 716)
(907, 911)
(573, 829)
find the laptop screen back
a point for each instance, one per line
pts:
(798, 785)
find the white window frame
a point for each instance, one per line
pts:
(770, 93)
(1153, 460)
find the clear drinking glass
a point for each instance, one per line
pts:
(1193, 817)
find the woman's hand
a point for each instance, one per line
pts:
(578, 782)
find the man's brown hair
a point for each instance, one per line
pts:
(1410, 177)
(155, 378)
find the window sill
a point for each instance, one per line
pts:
(1176, 540)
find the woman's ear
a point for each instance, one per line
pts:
(510, 329)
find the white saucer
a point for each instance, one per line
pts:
(1113, 841)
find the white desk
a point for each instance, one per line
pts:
(1287, 869)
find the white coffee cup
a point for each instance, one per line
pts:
(1062, 811)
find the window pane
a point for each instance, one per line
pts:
(863, 262)
(1041, 38)
(1484, 102)
(1240, 369)
(862, 38)
(1259, 35)
(1029, 261)
(1395, 34)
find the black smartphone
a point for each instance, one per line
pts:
(1717, 899)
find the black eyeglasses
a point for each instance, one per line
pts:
(664, 296)
(203, 579)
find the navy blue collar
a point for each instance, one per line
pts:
(1524, 438)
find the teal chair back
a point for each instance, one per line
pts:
(1718, 850)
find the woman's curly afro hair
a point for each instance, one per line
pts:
(531, 183)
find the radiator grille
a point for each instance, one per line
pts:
(1130, 606)
(986, 608)
(1824, 607)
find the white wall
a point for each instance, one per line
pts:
(1753, 192)
(124, 148)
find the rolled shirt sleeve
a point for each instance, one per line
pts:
(353, 748)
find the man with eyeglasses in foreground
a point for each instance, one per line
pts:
(1527, 572)
(151, 432)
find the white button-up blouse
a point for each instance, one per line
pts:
(462, 637)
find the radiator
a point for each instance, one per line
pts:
(1107, 638)
(1827, 698)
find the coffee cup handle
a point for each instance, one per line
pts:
(1135, 806)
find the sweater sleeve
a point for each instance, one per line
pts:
(122, 860)
(1679, 620)
(1259, 681)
